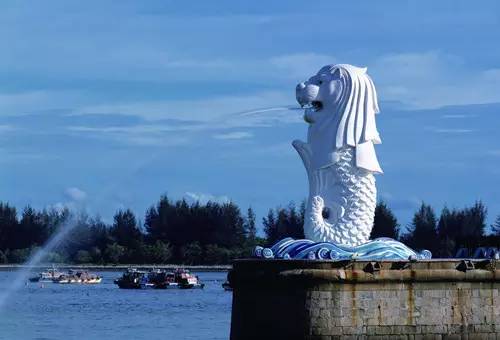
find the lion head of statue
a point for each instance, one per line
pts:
(340, 105)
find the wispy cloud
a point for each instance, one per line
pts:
(400, 203)
(204, 198)
(458, 116)
(143, 135)
(74, 199)
(234, 135)
(75, 194)
(451, 130)
(433, 79)
(300, 65)
(35, 101)
(7, 128)
(495, 152)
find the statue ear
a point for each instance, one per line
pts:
(336, 74)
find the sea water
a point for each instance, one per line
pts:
(103, 311)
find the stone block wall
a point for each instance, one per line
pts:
(328, 300)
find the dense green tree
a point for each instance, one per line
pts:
(31, 230)
(125, 229)
(250, 227)
(216, 255)
(461, 228)
(159, 253)
(55, 257)
(191, 253)
(78, 238)
(211, 233)
(3, 258)
(270, 229)
(8, 226)
(423, 231)
(385, 223)
(114, 253)
(83, 256)
(157, 219)
(495, 227)
(20, 255)
(284, 222)
(475, 218)
(96, 255)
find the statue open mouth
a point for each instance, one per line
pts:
(315, 105)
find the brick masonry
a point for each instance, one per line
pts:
(363, 300)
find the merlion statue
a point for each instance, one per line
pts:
(340, 105)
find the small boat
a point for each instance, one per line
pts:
(47, 276)
(186, 280)
(133, 279)
(83, 277)
(158, 279)
(161, 279)
(227, 286)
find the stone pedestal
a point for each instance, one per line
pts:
(298, 299)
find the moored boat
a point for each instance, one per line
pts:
(83, 277)
(158, 279)
(186, 280)
(227, 286)
(132, 279)
(47, 276)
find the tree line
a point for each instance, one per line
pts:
(443, 235)
(214, 233)
(172, 232)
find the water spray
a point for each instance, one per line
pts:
(22, 275)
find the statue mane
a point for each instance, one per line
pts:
(358, 104)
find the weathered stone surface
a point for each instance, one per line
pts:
(302, 300)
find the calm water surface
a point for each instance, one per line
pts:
(103, 311)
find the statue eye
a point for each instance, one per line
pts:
(321, 82)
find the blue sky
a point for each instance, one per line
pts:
(105, 105)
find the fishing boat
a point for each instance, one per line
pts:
(158, 279)
(133, 279)
(47, 276)
(186, 280)
(161, 279)
(83, 277)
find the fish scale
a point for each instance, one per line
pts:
(354, 186)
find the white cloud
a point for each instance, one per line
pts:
(139, 135)
(203, 198)
(437, 130)
(28, 157)
(494, 152)
(458, 116)
(233, 135)
(214, 114)
(31, 101)
(433, 79)
(75, 194)
(419, 80)
(7, 128)
(300, 66)
(399, 203)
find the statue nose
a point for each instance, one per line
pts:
(300, 86)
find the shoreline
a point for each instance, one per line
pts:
(120, 267)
